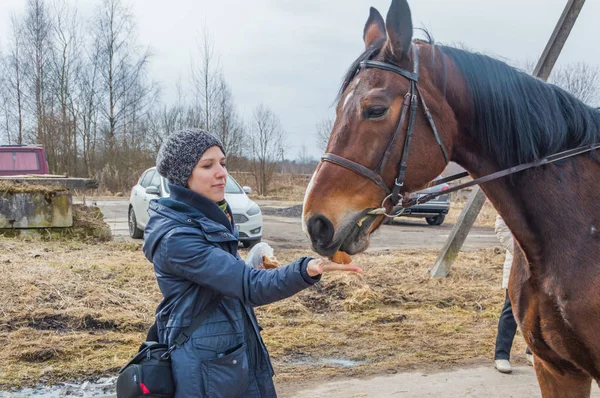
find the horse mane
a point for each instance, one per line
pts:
(519, 118)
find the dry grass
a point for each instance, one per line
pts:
(71, 310)
(75, 310)
(12, 187)
(393, 318)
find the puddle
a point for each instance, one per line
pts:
(104, 387)
(307, 360)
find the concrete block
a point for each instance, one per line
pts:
(36, 210)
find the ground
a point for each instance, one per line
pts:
(74, 311)
(472, 381)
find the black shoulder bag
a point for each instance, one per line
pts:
(148, 374)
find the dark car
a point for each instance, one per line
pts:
(433, 211)
(22, 160)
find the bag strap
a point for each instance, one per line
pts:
(187, 332)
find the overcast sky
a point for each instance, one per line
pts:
(292, 54)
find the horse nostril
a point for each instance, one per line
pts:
(320, 230)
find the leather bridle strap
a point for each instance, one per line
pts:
(399, 181)
(502, 173)
(357, 168)
(414, 76)
(432, 125)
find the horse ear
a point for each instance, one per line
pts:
(399, 27)
(374, 28)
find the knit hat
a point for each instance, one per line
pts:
(181, 151)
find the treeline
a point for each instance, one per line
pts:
(81, 88)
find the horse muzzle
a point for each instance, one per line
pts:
(351, 236)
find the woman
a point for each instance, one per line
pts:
(192, 242)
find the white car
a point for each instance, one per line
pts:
(151, 185)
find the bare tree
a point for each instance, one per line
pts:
(5, 99)
(267, 144)
(121, 67)
(303, 156)
(305, 163)
(66, 65)
(139, 101)
(227, 123)
(37, 45)
(324, 128)
(86, 105)
(580, 79)
(15, 64)
(205, 78)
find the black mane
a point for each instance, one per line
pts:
(519, 118)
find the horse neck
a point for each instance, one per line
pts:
(540, 206)
(543, 206)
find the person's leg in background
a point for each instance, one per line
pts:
(507, 328)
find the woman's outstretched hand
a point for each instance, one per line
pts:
(318, 266)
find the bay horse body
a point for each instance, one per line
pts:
(489, 116)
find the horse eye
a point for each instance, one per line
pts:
(375, 112)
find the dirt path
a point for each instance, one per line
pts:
(481, 381)
(286, 232)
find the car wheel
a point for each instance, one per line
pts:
(134, 231)
(436, 220)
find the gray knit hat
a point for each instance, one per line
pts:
(181, 151)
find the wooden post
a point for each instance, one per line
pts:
(558, 39)
(476, 200)
(459, 233)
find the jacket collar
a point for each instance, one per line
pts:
(202, 204)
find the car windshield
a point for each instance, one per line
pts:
(231, 186)
(166, 185)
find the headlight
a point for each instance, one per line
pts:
(253, 210)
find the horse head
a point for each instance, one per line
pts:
(389, 92)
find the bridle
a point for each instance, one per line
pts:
(411, 99)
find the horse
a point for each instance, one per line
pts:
(405, 109)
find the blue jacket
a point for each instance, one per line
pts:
(193, 247)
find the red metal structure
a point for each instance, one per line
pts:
(22, 160)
